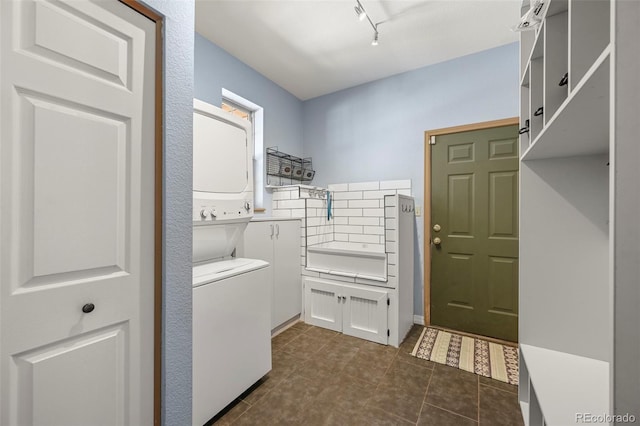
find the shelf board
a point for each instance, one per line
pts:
(580, 126)
(524, 407)
(538, 44)
(557, 6)
(525, 77)
(567, 384)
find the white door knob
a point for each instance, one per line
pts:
(437, 241)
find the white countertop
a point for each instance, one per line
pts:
(272, 219)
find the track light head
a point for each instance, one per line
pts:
(362, 14)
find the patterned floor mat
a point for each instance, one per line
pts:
(475, 355)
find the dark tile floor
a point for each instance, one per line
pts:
(320, 377)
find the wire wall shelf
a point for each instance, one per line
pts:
(285, 169)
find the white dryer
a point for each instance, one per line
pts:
(231, 296)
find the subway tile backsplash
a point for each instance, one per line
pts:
(358, 211)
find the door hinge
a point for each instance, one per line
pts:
(388, 302)
(388, 333)
(432, 140)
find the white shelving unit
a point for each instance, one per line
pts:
(580, 212)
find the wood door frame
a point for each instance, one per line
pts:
(427, 195)
(158, 19)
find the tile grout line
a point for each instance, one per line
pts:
(385, 373)
(449, 411)
(444, 409)
(424, 397)
(500, 389)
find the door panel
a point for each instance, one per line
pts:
(365, 314)
(39, 370)
(460, 196)
(475, 201)
(503, 280)
(287, 279)
(257, 243)
(460, 275)
(95, 173)
(503, 206)
(322, 305)
(77, 197)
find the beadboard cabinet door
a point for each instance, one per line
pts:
(355, 310)
(278, 242)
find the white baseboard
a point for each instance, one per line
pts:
(418, 319)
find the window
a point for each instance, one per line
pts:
(237, 110)
(247, 110)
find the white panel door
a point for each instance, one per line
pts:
(76, 213)
(287, 281)
(365, 314)
(322, 304)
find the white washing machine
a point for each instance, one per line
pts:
(231, 296)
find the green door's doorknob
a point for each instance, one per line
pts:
(437, 241)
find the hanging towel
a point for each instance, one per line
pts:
(329, 206)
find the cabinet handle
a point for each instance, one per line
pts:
(271, 230)
(277, 230)
(538, 112)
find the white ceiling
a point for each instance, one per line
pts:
(315, 47)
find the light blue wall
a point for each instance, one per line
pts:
(216, 69)
(177, 181)
(375, 131)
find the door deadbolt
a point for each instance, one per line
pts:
(436, 227)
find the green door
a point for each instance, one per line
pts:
(474, 261)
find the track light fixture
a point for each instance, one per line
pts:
(362, 14)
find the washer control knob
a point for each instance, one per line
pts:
(214, 213)
(247, 206)
(204, 213)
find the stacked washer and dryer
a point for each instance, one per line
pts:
(231, 296)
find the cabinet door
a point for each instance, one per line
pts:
(258, 241)
(322, 305)
(365, 314)
(258, 244)
(287, 282)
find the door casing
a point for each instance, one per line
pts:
(427, 196)
(158, 197)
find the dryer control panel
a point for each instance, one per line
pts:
(219, 210)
